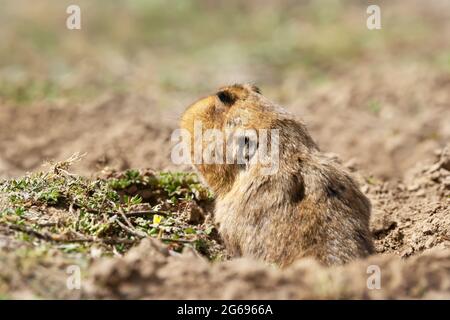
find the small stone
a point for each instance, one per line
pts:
(420, 193)
(445, 164)
(195, 214)
(407, 252)
(429, 243)
(365, 188)
(428, 229)
(413, 187)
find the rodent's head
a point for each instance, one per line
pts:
(232, 108)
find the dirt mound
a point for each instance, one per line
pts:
(118, 132)
(405, 223)
(149, 272)
(26, 275)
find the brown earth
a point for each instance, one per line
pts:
(116, 132)
(149, 272)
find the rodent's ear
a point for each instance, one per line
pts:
(227, 97)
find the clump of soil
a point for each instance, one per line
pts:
(413, 215)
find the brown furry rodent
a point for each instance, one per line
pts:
(309, 207)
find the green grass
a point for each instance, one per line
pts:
(114, 211)
(154, 40)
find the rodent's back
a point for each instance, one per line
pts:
(318, 212)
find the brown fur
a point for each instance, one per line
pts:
(309, 207)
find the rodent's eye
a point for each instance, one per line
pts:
(226, 97)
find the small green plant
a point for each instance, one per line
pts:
(110, 211)
(374, 106)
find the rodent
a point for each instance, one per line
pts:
(310, 207)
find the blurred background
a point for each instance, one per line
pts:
(379, 99)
